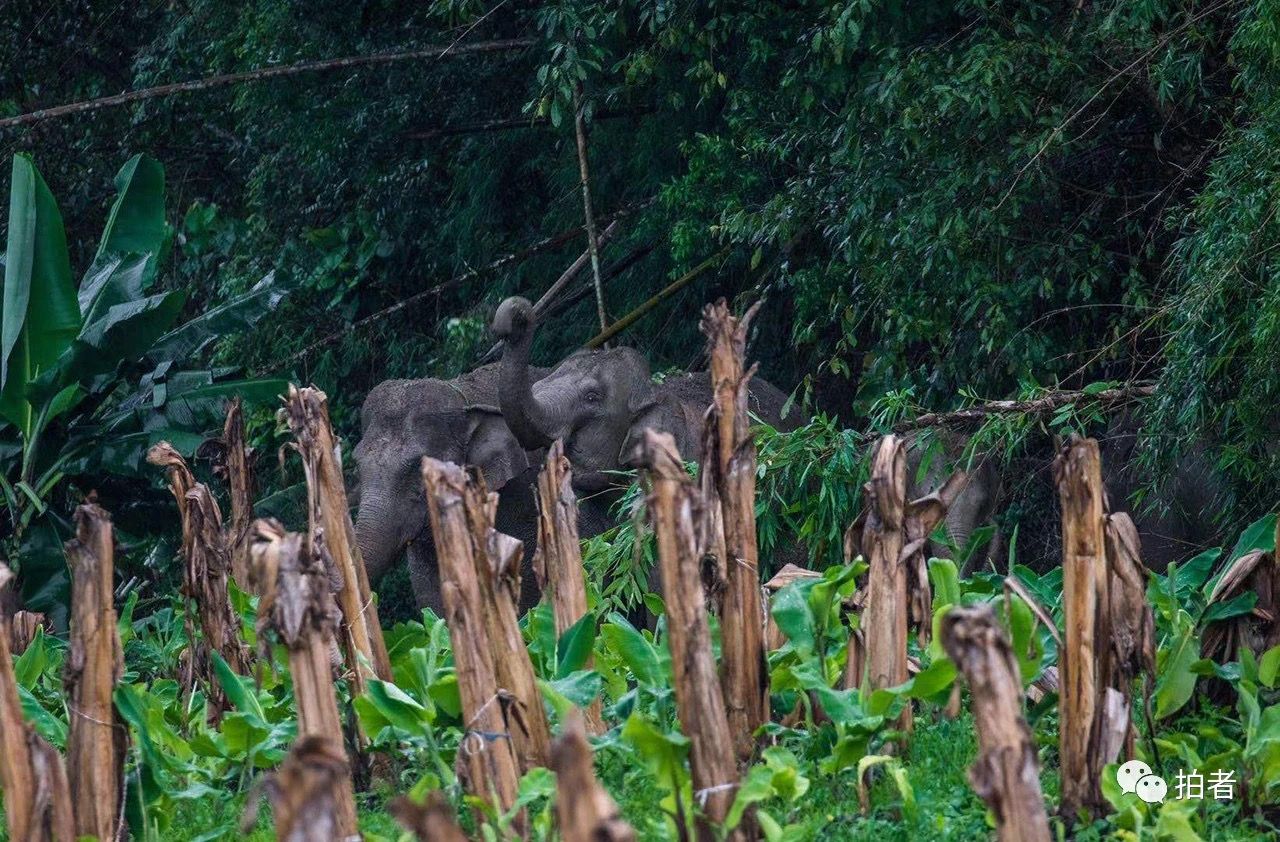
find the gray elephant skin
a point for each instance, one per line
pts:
(1177, 522)
(599, 402)
(454, 420)
(930, 462)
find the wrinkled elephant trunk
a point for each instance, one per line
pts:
(514, 324)
(378, 536)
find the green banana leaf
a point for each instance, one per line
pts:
(234, 316)
(136, 224)
(39, 316)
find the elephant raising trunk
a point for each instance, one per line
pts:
(600, 402)
(513, 324)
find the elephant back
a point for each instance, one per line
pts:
(396, 399)
(693, 390)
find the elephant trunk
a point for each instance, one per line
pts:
(378, 536)
(514, 324)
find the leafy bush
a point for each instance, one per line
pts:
(91, 377)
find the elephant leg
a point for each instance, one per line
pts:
(424, 575)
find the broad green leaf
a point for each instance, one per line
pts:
(32, 662)
(1269, 666)
(123, 333)
(238, 689)
(231, 317)
(1176, 681)
(1234, 607)
(792, 613)
(945, 578)
(46, 724)
(136, 223)
(1259, 535)
(640, 656)
(577, 689)
(757, 786)
(397, 707)
(114, 279)
(199, 407)
(1192, 574)
(662, 752)
(444, 692)
(574, 647)
(39, 316)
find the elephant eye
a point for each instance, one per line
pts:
(592, 396)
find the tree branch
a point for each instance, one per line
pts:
(503, 124)
(263, 74)
(666, 292)
(1038, 406)
(501, 263)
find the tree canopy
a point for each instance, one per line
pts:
(939, 201)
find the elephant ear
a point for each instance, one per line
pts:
(492, 447)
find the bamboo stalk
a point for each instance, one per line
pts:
(675, 508)
(732, 465)
(1005, 774)
(558, 560)
(96, 737)
(512, 259)
(37, 797)
(329, 522)
(296, 606)
(206, 564)
(487, 765)
(549, 298)
(1077, 472)
(653, 301)
(885, 617)
(239, 478)
(584, 810)
(589, 218)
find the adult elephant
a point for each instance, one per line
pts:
(454, 420)
(1180, 518)
(599, 402)
(1174, 523)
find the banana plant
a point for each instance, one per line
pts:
(92, 374)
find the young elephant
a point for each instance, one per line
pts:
(599, 402)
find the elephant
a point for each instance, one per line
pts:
(1180, 519)
(405, 420)
(599, 402)
(1173, 525)
(930, 461)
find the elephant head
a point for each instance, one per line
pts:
(931, 462)
(400, 426)
(594, 401)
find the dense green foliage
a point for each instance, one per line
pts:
(945, 198)
(940, 202)
(90, 378)
(189, 779)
